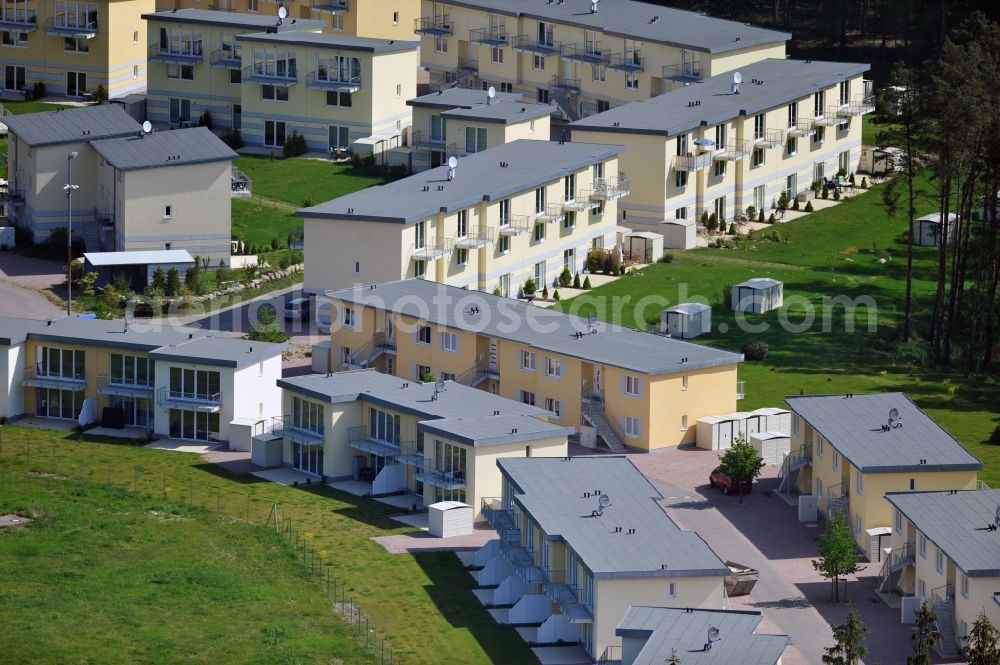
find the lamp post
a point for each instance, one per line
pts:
(69, 188)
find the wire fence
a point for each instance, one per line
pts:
(56, 460)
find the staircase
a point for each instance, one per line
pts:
(894, 563)
(836, 500)
(475, 375)
(567, 101)
(366, 354)
(794, 462)
(91, 234)
(943, 603)
(593, 411)
(461, 76)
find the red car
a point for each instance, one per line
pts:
(729, 486)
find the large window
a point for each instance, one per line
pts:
(340, 98)
(383, 426)
(131, 370)
(180, 110)
(339, 68)
(76, 84)
(63, 363)
(307, 415)
(339, 137)
(193, 425)
(194, 384)
(449, 458)
(539, 200)
(180, 72)
(52, 403)
(273, 93)
(475, 139)
(76, 45)
(274, 133)
(13, 77)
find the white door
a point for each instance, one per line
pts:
(752, 426)
(726, 434)
(493, 355)
(597, 382)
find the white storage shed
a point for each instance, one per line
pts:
(769, 419)
(719, 432)
(686, 320)
(757, 295)
(449, 518)
(642, 246)
(771, 446)
(927, 229)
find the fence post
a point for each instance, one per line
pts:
(135, 478)
(191, 492)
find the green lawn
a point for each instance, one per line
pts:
(301, 180)
(422, 603)
(871, 128)
(834, 252)
(257, 222)
(105, 575)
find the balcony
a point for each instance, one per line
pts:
(563, 83)
(43, 377)
(612, 656)
(326, 79)
(734, 151)
(497, 515)
(628, 62)
(266, 73)
(693, 162)
(410, 456)
(178, 54)
(801, 128)
(329, 6)
(241, 183)
(446, 480)
(523, 561)
(741, 389)
(71, 25)
(831, 118)
(428, 140)
(553, 212)
(475, 239)
(495, 36)
(283, 426)
(606, 189)
(437, 248)
(861, 105)
(227, 58)
(589, 54)
(434, 26)
(566, 596)
(121, 386)
(515, 225)
(584, 201)
(359, 439)
(769, 138)
(530, 44)
(684, 73)
(17, 19)
(196, 401)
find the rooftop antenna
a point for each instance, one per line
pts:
(602, 503)
(593, 6)
(713, 636)
(438, 389)
(592, 323)
(737, 79)
(147, 128)
(452, 163)
(282, 15)
(895, 421)
(490, 94)
(129, 318)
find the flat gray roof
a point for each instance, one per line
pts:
(760, 283)
(641, 21)
(334, 41)
(504, 112)
(481, 431)
(853, 425)
(537, 327)
(676, 112)
(157, 338)
(85, 123)
(450, 98)
(138, 257)
(553, 492)
(686, 630)
(478, 177)
(176, 147)
(234, 19)
(457, 402)
(958, 524)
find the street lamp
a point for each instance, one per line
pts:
(69, 188)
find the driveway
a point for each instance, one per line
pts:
(765, 534)
(20, 280)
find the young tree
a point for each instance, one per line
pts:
(267, 328)
(848, 649)
(173, 282)
(836, 553)
(159, 280)
(984, 642)
(741, 463)
(925, 636)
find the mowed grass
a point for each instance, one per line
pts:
(871, 128)
(303, 180)
(105, 575)
(422, 603)
(257, 222)
(829, 254)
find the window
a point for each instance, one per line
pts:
(569, 220)
(898, 522)
(540, 274)
(180, 72)
(792, 185)
(307, 415)
(349, 318)
(631, 81)
(922, 542)
(13, 77)
(836, 460)
(461, 256)
(135, 71)
(341, 99)
(528, 397)
(819, 488)
(569, 259)
(819, 136)
(553, 368)
(503, 282)
(913, 484)
(758, 197)
(235, 77)
(720, 208)
(424, 335)
(338, 137)
(273, 93)
(569, 187)
(859, 481)
(76, 45)
(795, 424)
(757, 158)
(681, 213)
(76, 84)
(539, 200)
(496, 55)
(274, 133)
(759, 126)
(793, 114)
(399, 90)
(251, 5)
(463, 223)
(419, 268)
(449, 342)
(553, 405)
(420, 234)
(135, 36)
(684, 423)
(503, 245)
(720, 136)
(395, 18)
(383, 426)
(168, 211)
(603, 105)
(543, 96)
(538, 63)
(672, 590)
(538, 233)
(357, 267)
(631, 427)
(791, 146)
(964, 585)
(684, 382)
(719, 169)
(680, 179)
(509, 87)
(939, 560)
(14, 38)
(921, 589)
(441, 44)
(598, 73)
(475, 139)
(844, 161)
(528, 360)
(180, 111)
(819, 446)
(633, 385)
(845, 93)
(819, 103)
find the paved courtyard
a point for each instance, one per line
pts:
(21, 278)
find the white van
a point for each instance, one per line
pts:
(298, 309)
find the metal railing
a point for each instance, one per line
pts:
(265, 73)
(513, 225)
(448, 480)
(553, 212)
(837, 499)
(433, 25)
(583, 201)
(71, 25)
(44, 377)
(612, 656)
(466, 68)
(436, 248)
(693, 161)
(590, 54)
(831, 117)
(121, 384)
(610, 188)
(862, 105)
(183, 398)
(688, 71)
(359, 439)
(523, 560)
(19, 18)
(563, 83)
(494, 36)
(422, 139)
(332, 79)
(531, 44)
(942, 595)
(227, 58)
(801, 128)
(409, 455)
(475, 238)
(771, 138)
(191, 53)
(284, 426)
(496, 514)
(629, 61)
(734, 151)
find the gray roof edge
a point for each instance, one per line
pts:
(76, 139)
(286, 384)
(310, 214)
(429, 426)
(658, 573)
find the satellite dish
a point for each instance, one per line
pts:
(713, 634)
(282, 13)
(147, 127)
(893, 413)
(439, 385)
(492, 92)
(737, 79)
(604, 501)
(452, 162)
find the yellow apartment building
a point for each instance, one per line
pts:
(519, 210)
(182, 383)
(376, 434)
(338, 91)
(73, 46)
(850, 451)
(195, 64)
(457, 122)
(626, 387)
(719, 147)
(582, 539)
(582, 60)
(383, 19)
(945, 549)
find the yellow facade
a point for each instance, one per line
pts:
(73, 47)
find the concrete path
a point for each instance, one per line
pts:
(20, 279)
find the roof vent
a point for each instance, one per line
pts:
(350, 211)
(513, 430)
(655, 19)
(427, 188)
(631, 531)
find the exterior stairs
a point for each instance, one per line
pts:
(943, 606)
(593, 411)
(567, 102)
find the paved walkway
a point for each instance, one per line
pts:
(20, 279)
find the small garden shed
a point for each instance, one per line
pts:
(719, 432)
(449, 518)
(927, 229)
(686, 320)
(642, 246)
(769, 419)
(757, 295)
(771, 446)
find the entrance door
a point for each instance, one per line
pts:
(76, 84)
(237, 116)
(598, 391)
(13, 77)
(308, 459)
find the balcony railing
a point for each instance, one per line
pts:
(496, 514)
(435, 26)
(591, 54)
(583, 201)
(69, 25)
(227, 58)
(563, 83)
(437, 248)
(124, 387)
(495, 36)
(196, 401)
(187, 54)
(17, 19)
(610, 188)
(284, 426)
(860, 105)
(553, 212)
(628, 62)
(447, 480)
(475, 239)
(693, 162)
(514, 225)
(422, 139)
(566, 596)
(741, 389)
(531, 44)
(264, 73)
(612, 656)
(801, 128)
(42, 377)
(329, 6)
(411, 456)
(688, 71)
(831, 117)
(359, 439)
(325, 79)
(769, 138)
(523, 560)
(734, 151)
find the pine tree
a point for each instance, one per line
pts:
(836, 553)
(984, 642)
(173, 282)
(925, 636)
(848, 649)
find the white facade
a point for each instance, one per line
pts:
(11, 373)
